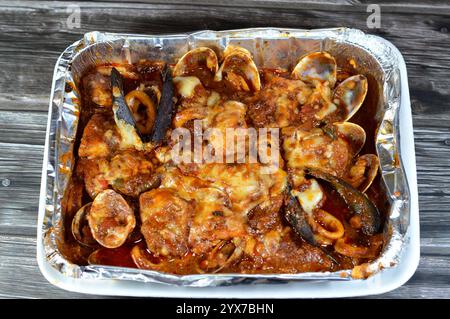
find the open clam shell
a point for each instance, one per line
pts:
(195, 58)
(110, 219)
(354, 134)
(223, 254)
(239, 69)
(363, 171)
(350, 94)
(316, 67)
(80, 227)
(143, 259)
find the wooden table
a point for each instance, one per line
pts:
(34, 33)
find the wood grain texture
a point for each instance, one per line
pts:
(34, 33)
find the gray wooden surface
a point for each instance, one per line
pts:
(33, 33)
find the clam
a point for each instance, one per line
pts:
(363, 172)
(316, 67)
(144, 259)
(354, 134)
(224, 254)
(80, 227)
(320, 68)
(110, 218)
(239, 69)
(350, 94)
(194, 59)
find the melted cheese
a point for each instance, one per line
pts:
(311, 197)
(186, 85)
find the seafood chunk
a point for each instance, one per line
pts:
(279, 103)
(111, 219)
(331, 149)
(247, 185)
(128, 172)
(131, 173)
(265, 217)
(316, 67)
(315, 148)
(166, 220)
(100, 137)
(191, 92)
(239, 69)
(98, 83)
(126, 70)
(98, 89)
(213, 220)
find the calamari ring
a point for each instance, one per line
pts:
(327, 226)
(355, 251)
(133, 100)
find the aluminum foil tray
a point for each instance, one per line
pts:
(375, 57)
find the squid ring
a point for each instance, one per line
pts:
(332, 227)
(133, 100)
(355, 251)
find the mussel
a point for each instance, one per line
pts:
(298, 219)
(132, 130)
(359, 204)
(166, 109)
(320, 228)
(123, 116)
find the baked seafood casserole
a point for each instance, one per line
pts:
(213, 165)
